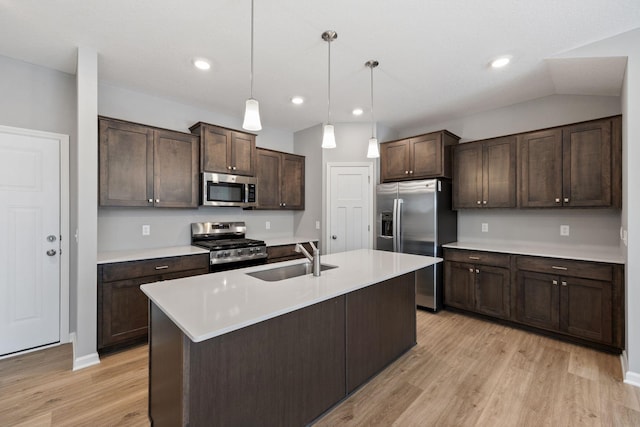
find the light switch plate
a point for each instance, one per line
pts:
(317, 225)
(564, 230)
(267, 225)
(146, 230)
(485, 227)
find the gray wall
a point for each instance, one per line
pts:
(352, 140)
(121, 228)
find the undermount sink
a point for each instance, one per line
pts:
(288, 271)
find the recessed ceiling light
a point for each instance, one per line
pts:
(357, 111)
(201, 64)
(500, 62)
(297, 100)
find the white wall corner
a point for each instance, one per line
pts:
(82, 361)
(631, 378)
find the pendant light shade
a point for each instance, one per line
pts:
(252, 115)
(328, 134)
(373, 150)
(252, 108)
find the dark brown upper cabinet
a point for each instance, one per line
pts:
(225, 150)
(484, 174)
(280, 180)
(576, 165)
(146, 166)
(418, 157)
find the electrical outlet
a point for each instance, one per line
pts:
(485, 227)
(564, 230)
(267, 225)
(146, 230)
(317, 225)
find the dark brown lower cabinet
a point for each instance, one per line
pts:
(122, 306)
(286, 252)
(284, 371)
(577, 300)
(572, 305)
(482, 285)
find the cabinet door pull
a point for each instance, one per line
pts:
(157, 200)
(564, 283)
(566, 200)
(410, 172)
(234, 168)
(406, 172)
(555, 267)
(477, 271)
(478, 202)
(555, 282)
(474, 257)
(484, 202)
(229, 167)
(471, 270)
(162, 267)
(150, 200)
(557, 199)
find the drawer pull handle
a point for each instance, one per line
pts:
(563, 283)
(555, 282)
(555, 267)
(477, 271)
(471, 270)
(474, 257)
(162, 267)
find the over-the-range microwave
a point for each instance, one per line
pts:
(228, 190)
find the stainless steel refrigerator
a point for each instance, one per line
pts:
(415, 217)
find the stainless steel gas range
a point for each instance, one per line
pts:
(227, 244)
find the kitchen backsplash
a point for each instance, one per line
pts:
(121, 228)
(587, 227)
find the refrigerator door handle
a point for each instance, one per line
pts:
(395, 225)
(398, 223)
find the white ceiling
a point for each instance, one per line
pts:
(433, 55)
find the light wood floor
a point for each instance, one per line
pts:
(463, 372)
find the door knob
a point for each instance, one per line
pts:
(334, 237)
(51, 252)
(51, 238)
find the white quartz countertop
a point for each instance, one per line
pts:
(279, 241)
(135, 255)
(583, 253)
(214, 304)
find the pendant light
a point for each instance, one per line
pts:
(252, 108)
(373, 151)
(328, 134)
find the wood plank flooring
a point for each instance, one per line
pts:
(463, 372)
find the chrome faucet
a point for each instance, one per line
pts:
(315, 259)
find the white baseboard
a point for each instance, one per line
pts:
(82, 361)
(631, 378)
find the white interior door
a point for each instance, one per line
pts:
(30, 243)
(350, 207)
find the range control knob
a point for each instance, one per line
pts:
(239, 252)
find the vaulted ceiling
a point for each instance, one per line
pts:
(434, 55)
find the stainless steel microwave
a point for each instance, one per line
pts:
(228, 190)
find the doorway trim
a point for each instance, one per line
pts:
(372, 194)
(63, 145)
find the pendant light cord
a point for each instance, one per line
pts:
(251, 74)
(329, 85)
(373, 126)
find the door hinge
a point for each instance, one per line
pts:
(369, 179)
(368, 228)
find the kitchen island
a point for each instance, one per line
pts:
(230, 349)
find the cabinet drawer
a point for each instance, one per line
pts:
(564, 267)
(152, 267)
(477, 257)
(286, 252)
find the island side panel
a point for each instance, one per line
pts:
(167, 350)
(381, 326)
(284, 371)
